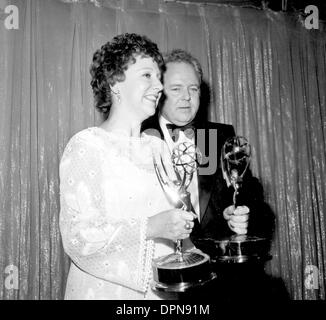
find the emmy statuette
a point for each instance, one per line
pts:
(235, 160)
(181, 270)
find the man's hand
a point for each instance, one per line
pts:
(237, 218)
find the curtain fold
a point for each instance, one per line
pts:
(266, 76)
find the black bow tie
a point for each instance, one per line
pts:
(174, 130)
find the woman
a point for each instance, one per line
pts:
(114, 216)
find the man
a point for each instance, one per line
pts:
(210, 197)
(177, 120)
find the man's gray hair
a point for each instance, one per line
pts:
(179, 55)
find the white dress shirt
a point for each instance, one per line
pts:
(193, 187)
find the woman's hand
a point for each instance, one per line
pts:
(237, 218)
(172, 224)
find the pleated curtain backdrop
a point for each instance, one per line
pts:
(267, 77)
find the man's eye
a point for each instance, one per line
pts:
(194, 89)
(175, 89)
(147, 75)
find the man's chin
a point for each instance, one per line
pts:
(183, 121)
(180, 119)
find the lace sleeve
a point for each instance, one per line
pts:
(99, 242)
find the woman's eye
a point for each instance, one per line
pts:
(147, 75)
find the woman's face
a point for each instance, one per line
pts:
(141, 89)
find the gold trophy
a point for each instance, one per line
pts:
(181, 270)
(235, 160)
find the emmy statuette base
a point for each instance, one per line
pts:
(178, 273)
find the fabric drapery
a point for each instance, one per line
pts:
(266, 76)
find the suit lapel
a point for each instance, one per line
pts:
(205, 182)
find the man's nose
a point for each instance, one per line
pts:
(186, 94)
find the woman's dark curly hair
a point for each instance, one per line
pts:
(112, 60)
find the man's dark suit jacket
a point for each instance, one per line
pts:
(214, 195)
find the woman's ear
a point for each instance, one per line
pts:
(116, 93)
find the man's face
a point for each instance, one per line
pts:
(182, 91)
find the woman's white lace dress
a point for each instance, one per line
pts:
(108, 189)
